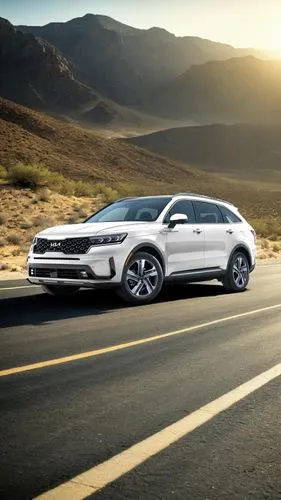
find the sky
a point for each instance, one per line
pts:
(242, 23)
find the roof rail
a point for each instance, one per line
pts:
(203, 196)
(126, 198)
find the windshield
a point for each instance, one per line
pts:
(134, 209)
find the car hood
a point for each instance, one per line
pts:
(94, 228)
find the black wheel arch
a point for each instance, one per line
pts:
(243, 249)
(153, 250)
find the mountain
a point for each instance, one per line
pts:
(126, 64)
(34, 73)
(241, 151)
(238, 89)
(78, 153)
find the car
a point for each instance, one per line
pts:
(137, 244)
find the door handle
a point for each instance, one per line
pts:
(197, 230)
(229, 231)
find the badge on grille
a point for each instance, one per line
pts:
(55, 244)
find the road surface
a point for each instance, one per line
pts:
(88, 383)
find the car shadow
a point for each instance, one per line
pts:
(40, 308)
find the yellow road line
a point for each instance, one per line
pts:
(18, 287)
(126, 345)
(101, 475)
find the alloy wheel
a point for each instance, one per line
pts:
(142, 278)
(240, 271)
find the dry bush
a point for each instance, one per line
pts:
(4, 266)
(83, 189)
(44, 194)
(27, 176)
(3, 172)
(106, 192)
(2, 242)
(26, 224)
(14, 238)
(276, 248)
(42, 221)
(3, 219)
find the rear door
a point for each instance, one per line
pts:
(216, 248)
(184, 242)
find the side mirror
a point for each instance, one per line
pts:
(177, 219)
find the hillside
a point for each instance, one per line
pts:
(126, 64)
(243, 152)
(239, 89)
(78, 153)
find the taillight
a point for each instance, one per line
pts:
(254, 234)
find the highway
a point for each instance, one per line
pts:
(179, 399)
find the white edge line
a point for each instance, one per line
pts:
(99, 476)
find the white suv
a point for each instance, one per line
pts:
(137, 244)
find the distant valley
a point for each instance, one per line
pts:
(242, 151)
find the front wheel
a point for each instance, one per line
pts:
(237, 274)
(142, 279)
(60, 291)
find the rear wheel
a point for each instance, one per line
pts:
(60, 291)
(142, 279)
(237, 274)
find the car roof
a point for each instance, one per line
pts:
(202, 197)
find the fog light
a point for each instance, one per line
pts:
(83, 274)
(32, 272)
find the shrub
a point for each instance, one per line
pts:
(26, 224)
(2, 242)
(44, 194)
(83, 189)
(28, 176)
(3, 172)
(267, 228)
(13, 238)
(3, 219)
(4, 266)
(276, 248)
(73, 219)
(42, 221)
(107, 193)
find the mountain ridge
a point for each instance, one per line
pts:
(126, 64)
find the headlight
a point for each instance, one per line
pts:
(108, 239)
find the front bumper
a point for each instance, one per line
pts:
(68, 274)
(101, 265)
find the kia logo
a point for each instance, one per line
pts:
(55, 244)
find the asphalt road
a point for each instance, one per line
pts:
(58, 421)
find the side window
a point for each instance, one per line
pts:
(181, 207)
(229, 217)
(207, 213)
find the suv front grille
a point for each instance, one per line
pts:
(69, 246)
(46, 272)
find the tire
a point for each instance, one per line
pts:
(237, 274)
(142, 279)
(60, 291)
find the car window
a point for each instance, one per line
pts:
(207, 213)
(181, 207)
(132, 209)
(229, 216)
(147, 214)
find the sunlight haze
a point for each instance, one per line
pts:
(251, 23)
